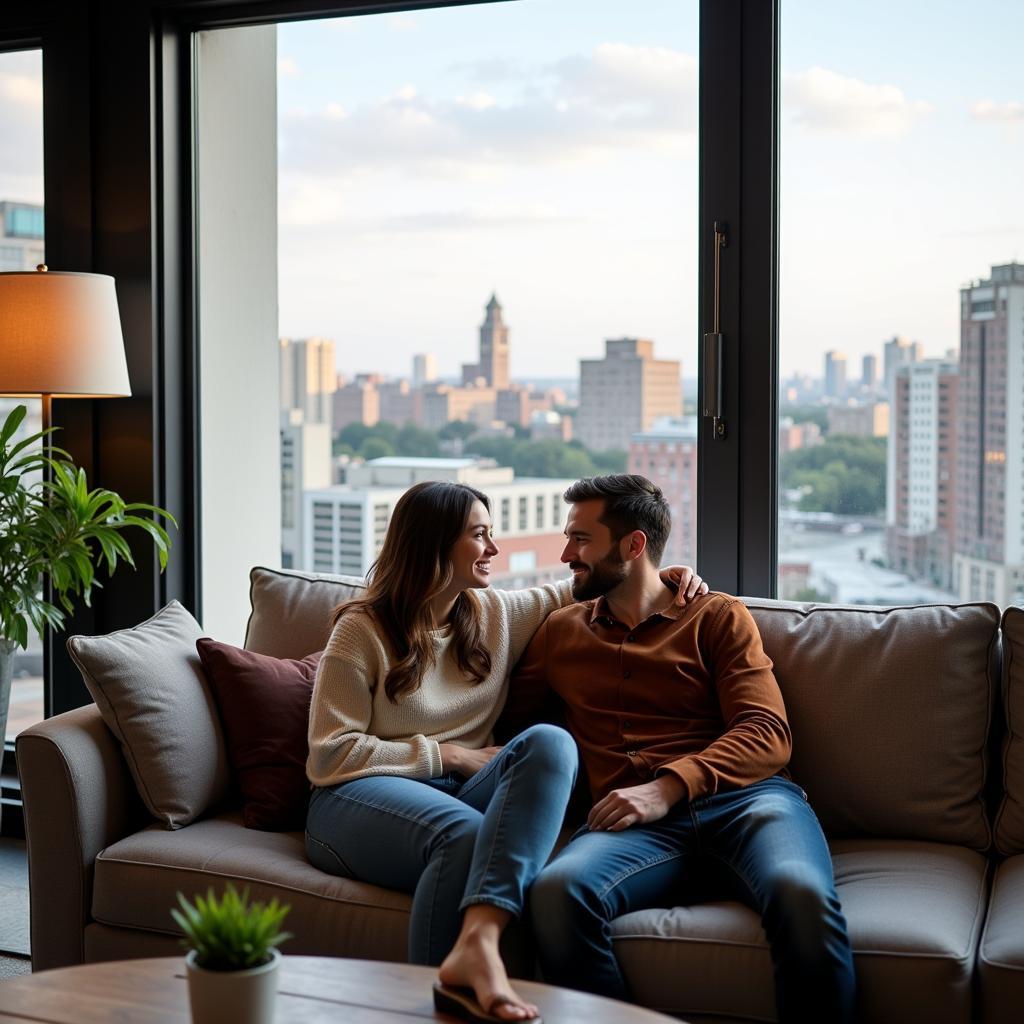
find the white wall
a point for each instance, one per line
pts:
(239, 388)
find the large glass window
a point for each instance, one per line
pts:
(901, 333)
(487, 261)
(21, 248)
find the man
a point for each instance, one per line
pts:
(683, 734)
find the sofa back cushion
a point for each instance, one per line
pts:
(150, 688)
(1009, 827)
(890, 711)
(291, 611)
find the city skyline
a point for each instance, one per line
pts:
(457, 167)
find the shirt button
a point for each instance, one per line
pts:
(627, 724)
(631, 753)
(627, 674)
(630, 638)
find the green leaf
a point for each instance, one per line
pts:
(13, 421)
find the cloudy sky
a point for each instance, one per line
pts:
(546, 150)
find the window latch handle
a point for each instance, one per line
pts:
(714, 344)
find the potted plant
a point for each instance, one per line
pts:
(52, 526)
(233, 957)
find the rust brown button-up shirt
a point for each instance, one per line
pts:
(688, 690)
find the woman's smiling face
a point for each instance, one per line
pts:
(471, 554)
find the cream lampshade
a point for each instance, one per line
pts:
(60, 335)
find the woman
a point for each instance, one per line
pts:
(409, 792)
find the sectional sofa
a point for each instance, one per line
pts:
(907, 738)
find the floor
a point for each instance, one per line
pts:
(14, 936)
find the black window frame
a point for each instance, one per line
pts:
(119, 91)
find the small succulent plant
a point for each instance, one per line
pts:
(230, 933)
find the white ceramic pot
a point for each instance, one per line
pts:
(242, 997)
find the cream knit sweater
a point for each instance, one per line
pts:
(355, 730)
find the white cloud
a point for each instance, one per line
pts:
(987, 110)
(616, 99)
(478, 101)
(287, 68)
(825, 101)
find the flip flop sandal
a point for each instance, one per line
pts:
(461, 1002)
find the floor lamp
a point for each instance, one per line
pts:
(60, 337)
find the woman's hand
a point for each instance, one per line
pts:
(463, 760)
(689, 586)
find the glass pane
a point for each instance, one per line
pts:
(487, 252)
(21, 248)
(901, 327)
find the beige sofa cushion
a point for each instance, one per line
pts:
(149, 686)
(137, 878)
(291, 611)
(1009, 827)
(1001, 957)
(890, 711)
(914, 913)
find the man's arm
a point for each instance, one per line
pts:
(530, 699)
(756, 742)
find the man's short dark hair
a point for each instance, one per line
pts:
(631, 502)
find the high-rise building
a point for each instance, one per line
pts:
(308, 377)
(988, 563)
(305, 465)
(356, 402)
(897, 352)
(513, 406)
(869, 372)
(793, 436)
(869, 419)
(624, 393)
(345, 524)
(920, 508)
(400, 403)
(493, 364)
(442, 404)
(835, 374)
(21, 236)
(424, 369)
(667, 454)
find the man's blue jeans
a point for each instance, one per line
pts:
(761, 844)
(449, 841)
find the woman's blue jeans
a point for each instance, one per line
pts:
(761, 844)
(449, 841)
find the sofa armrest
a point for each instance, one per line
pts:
(79, 797)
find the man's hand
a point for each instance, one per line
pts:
(463, 760)
(636, 805)
(689, 585)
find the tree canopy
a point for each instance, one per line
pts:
(546, 458)
(843, 474)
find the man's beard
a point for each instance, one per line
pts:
(599, 578)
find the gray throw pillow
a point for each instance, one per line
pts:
(149, 686)
(291, 611)
(890, 710)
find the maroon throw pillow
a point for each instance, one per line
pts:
(264, 708)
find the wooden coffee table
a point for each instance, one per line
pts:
(312, 989)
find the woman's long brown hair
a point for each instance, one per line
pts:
(414, 567)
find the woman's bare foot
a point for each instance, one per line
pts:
(475, 963)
